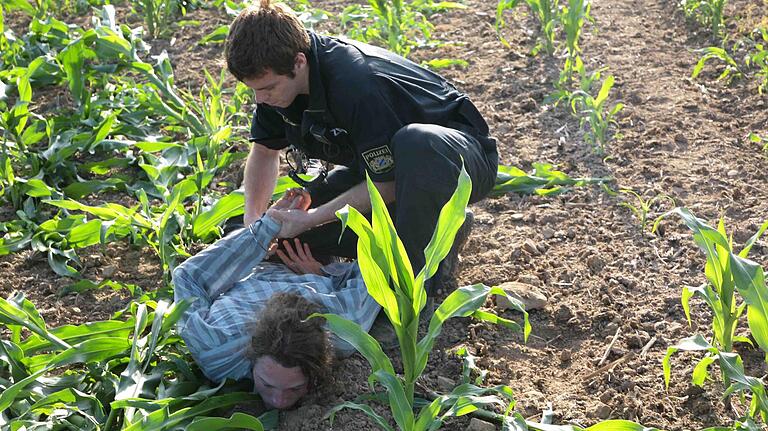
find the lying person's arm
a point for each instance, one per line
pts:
(217, 340)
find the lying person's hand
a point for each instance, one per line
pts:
(293, 199)
(298, 258)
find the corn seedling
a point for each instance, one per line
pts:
(398, 25)
(727, 272)
(573, 17)
(754, 137)
(501, 7)
(594, 111)
(390, 281)
(547, 14)
(158, 14)
(544, 180)
(707, 12)
(642, 207)
(731, 71)
(758, 59)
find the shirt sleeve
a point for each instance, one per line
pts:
(213, 328)
(268, 128)
(372, 124)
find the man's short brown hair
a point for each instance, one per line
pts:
(263, 37)
(285, 333)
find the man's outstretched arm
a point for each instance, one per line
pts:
(259, 180)
(295, 222)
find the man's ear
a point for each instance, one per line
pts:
(299, 62)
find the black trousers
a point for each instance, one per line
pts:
(428, 160)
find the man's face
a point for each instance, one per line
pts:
(278, 386)
(280, 90)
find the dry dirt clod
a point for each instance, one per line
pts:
(595, 263)
(479, 425)
(602, 411)
(529, 295)
(530, 247)
(563, 314)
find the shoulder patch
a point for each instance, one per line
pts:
(379, 159)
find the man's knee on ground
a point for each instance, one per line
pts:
(291, 353)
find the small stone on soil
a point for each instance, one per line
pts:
(529, 295)
(477, 425)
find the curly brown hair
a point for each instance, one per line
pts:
(265, 37)
(284, 333)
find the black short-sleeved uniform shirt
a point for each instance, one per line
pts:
(360, 96)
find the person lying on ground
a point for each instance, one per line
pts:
(366, 111)
(249, 316)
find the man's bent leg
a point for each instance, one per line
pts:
(428, 159)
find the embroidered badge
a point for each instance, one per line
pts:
(379, 159)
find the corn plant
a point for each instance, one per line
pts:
(398, 25)
(758, 58)
(707, 12)
(131, 374)
(501, 7)
(641, 207)
(545, 180)
(390, 281)
(594, 110)
(158, 14)
(731, 71)
(547, 13)
(754, 137)
(727, 272)
(573, 17)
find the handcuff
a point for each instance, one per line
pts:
(300, 164)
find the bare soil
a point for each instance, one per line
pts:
(680, 137)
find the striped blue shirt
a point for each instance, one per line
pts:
(231, 284)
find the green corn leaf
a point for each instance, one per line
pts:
(219, 35)
(163, 420)
(619, 425)
(448, 224)
(75, 334)
(398, 402)
(377, 418)
(360, 340)
(751, 241)
(237, 420)
(83, 403)
(13, 355)
(750, 281)
(17, 310)
(701, 370)
(694, 343)
(461, 302)
(9, 394)
(81, 189)
(370, 258)
(228, 206)
(92, 350)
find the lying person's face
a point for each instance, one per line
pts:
(279, 387)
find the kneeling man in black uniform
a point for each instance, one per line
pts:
(364, 110)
